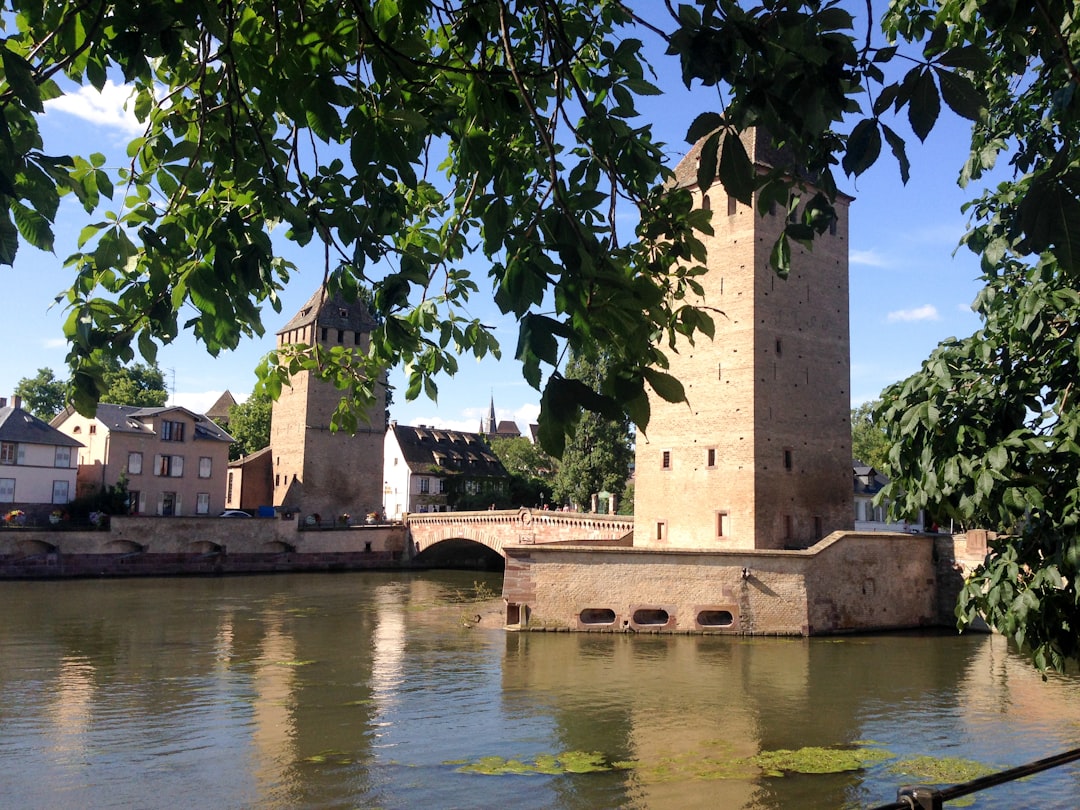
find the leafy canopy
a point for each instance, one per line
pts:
(600, 450)
(43, 395)
(418, 140)
(249, 425)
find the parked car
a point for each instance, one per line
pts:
(234, 513)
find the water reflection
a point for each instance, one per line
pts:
(374, 690)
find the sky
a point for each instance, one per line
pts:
(909, 286)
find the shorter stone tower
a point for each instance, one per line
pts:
(316, 470)
(760, 455)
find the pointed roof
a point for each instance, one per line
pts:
(219, 411)
(759, 148)
(333, 312)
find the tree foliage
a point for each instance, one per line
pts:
(43, 395)
(135, 384)
(531, 469)
(869, 442)
(419, 140)
(249, 424)
(600, 450)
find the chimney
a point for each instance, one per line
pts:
(3, 402)
(16, 402)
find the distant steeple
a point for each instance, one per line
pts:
(489, 427)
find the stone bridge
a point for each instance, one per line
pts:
(495, 529)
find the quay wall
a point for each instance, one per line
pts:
(154, 546)
(848, 582)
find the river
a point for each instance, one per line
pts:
(380, 690)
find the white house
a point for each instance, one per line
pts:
(428, 469)
(871, 517)
(38, 464)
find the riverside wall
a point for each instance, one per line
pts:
(847, 582)
(154, 546)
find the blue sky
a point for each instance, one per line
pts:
(908, 290)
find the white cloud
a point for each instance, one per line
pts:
(927, 312)
(867, 258)
(106, 108)
(196, 401)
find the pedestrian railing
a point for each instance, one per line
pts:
(921, 797)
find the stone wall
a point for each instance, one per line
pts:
(848, 582)
(147, 546)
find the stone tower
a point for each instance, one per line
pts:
(316, 470)
(760, 457)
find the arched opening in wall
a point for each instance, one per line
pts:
(715, 618)
(597, 616)
(460, 554)
(644, 617)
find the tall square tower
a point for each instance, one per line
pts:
(315, 469)
(760, 455)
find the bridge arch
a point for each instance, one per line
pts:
(496, 528)
(460, 553)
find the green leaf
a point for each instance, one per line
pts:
(925, 105)
(665, 385)
(20, 78)
(863, 147)
(34, 228)
(961, 95)
(736, 169)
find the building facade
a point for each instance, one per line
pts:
(173, 461)
(435, 470)
(317, 470)
(38, 464)
(760, 455)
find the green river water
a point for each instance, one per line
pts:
(378, 690)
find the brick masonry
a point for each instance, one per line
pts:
(849, 582)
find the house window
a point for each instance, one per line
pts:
(93, 429)
(472, 487)
(7, 490)
(202, 503)
(665, 460)
(7, 452)
(323, 333)
(710, 457)
(172, 431)
(661, 530)
(442, 486)
(168, 504)
(169, 466)
(133, 502)
(788, 463)
(62, 459)
(425, 486)
(134, 466)
(205, 466)
(732, 206)
(721, 524)
(61, 491)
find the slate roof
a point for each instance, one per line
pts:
(757, 144)
(130, 419)
(867, 480)
(16, 425)
(332, 312)
(453, 451)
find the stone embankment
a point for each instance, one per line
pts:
(154, 546)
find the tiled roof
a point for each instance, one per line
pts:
(453, 451)
(16, 425)
(220, 409)
(333, 313)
